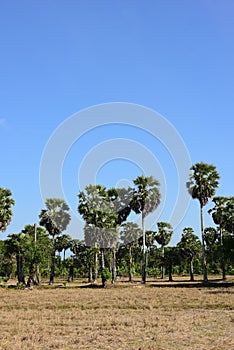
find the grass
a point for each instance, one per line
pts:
(127, 316)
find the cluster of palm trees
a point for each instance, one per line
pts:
(105, 212)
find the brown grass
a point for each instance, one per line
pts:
(127, 316)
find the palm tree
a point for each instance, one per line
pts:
(146, 199)
(55, 218)
(163, 238)
(63, 243)
(190, 247)
(104, 210)
(6, 203)
(130, 234)
(219, 215)
(202, 185)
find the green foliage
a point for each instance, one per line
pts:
(164, 234)
(223, 212)
(106, 275)
(130, 232)
(203, 183)
(189, 245)
(146, 196)
(6, 203)
(55, 218)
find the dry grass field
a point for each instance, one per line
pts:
(157, 316)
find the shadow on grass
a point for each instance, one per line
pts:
(193, 284)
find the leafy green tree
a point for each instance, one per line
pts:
(190, 247)
(6, 261)
(229, 226)
(171, 258)
(55, 218)
(17, 245)
(146, 199)
(163, 238)
(202, 185)
(220, 217)
(6, 203)
(37, 253)
(213, 252)
(129, 234)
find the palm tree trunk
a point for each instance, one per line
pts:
(191, 270)
(130, 263)
(222, 255)
(38, 277)
(170, 273)
(20, 272)
(52, 268)
(90, 273)
(71, 274)
(102, 266)
(95, 265)
(163, 267)
(143, 251)
(205, 277)
(113, 270)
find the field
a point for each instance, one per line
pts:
(159, 316)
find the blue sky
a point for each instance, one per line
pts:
(58, 58)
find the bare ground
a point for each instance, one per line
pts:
(159, 316)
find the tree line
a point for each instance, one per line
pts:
(112, 244)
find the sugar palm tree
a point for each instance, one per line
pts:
(222, 214)
(129, 234)
(55, 218)
(202, 185)
(103, 211)
(163, 238)
(146, 199)
(6, 203)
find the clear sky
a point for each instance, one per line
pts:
(60, 57)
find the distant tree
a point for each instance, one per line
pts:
(163, 238)
(63, 243)
(171, 258)
(146, 199)
(129, 234)
(17, 245)
(37, 253)
(190, 247)
(202, 185)
(103, 211)
(223, 216)
(6, 203)
(55, 218)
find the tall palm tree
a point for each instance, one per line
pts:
(55, 218)
(6, 203)
(163, 238)
(202, 185)
(146, 199)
